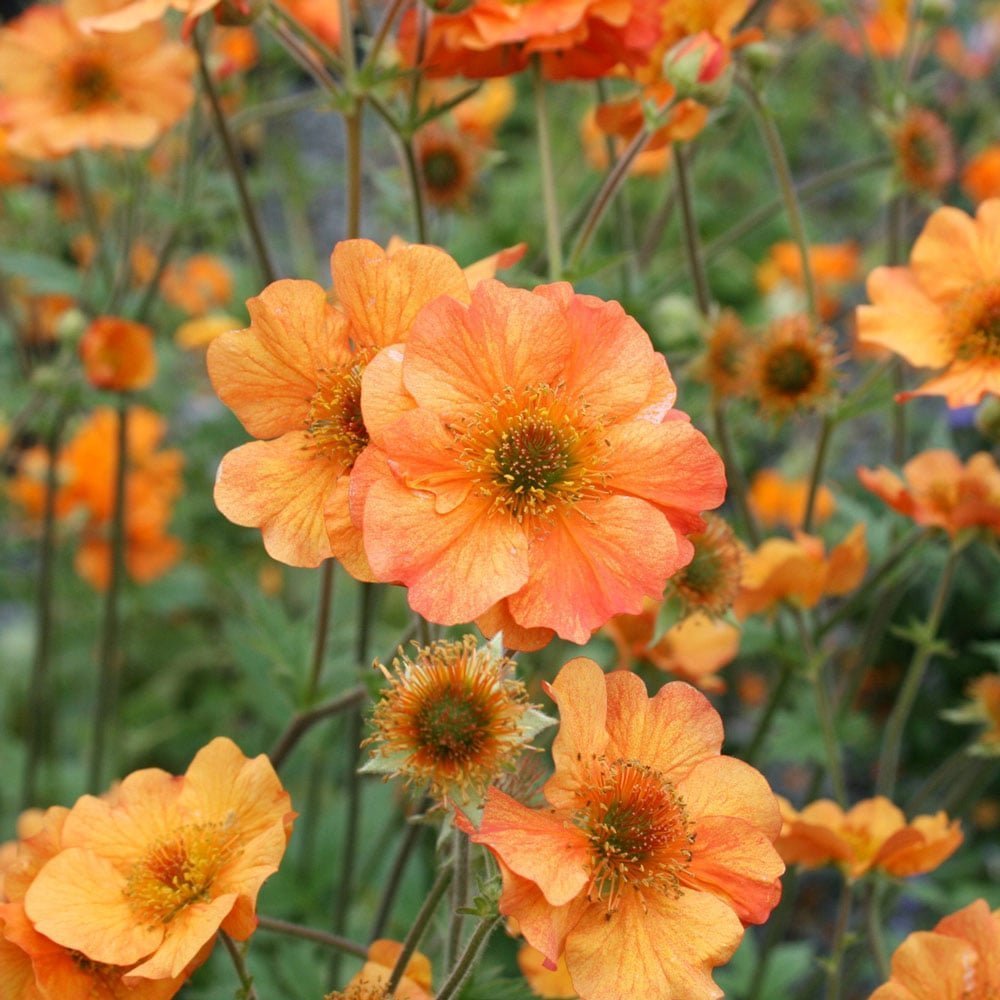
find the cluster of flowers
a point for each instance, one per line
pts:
(124, 894)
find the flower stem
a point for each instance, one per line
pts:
(786, 186)
(247, 991)
(235, 164)
(322, 629)
(411, 837)
(461, 859)
(39, 703)
(106, 705)
(468, 957)
(419, 927)
(818, 467)
(304, 721)
(553, 236)
(774, 702)
(893, 740)
(311, 934)
(873, 921)
(834, 969)
(689, 227)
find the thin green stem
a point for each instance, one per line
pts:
(39, 718)
(311, 934)
(737, 491)
(461, 861)
(468, 958)
(411, 836)
(109, 665)
(91, 217)
(327, 575)
(419, 927)
(873, 926)
(239, 964)
(382, 33)
(304, 721)
(786, 186)
(553, 235)
(818, 470)
(689, 227)
(893, 740)
(774, 701)
(834, 972)
(235, 164)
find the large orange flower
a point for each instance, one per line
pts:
(61, 90)
(874, 833)
(943, 311)
(958, 960)
(655, 850)
(151, 875)
(938, 490)
(575, 39)
(526, 469)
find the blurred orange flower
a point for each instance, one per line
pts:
(792, 366)
(118, 354)
(523, 445)
(780, 502)
(833, 265)
(799, 571)
(872, 834)
(448, 164)
(956, 961)
(63, 90)
(595, 147)
(293, 378)
(152, 874)
(711, 580)
(938, 490)
(370, 982)
(925, 150)
(883, 28)
(653, 844)
(199, 285)
(982, 708)
(981, 176)
(723, 365)
(943, 311)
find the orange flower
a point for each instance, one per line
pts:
(33, 967)
(981, 176)
(118, 354)
(872, 834)
(63, 90)
(710, 581)
(723, 364)
(199, 285)
(780, 502)
(958, 960)
(595, 147)
(943, 311)
(925, 151)
(800, 572)
(655, 850)
(833, 265)
(575, 39)
(983, 708)
(883, 29)
(447, 165)
(371, 981)
(792, 367)
(151, 875)
(293, 378)
(938, 490)
(552, 984)
(452, 718)
(694, 649)
(793, 16)
(319, 17)
(522, 446)
(200, 332)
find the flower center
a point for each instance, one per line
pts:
(178, 871)
(638, 830)
(974, 323)
(89, 81)
(532, 453)
(335, 423)
(442, 171)
(789, 370)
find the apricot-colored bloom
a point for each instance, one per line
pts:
(925, 151)
(792, 366)
(525, 468)
(981, 175)
(694, 649)
(151, 875)
(655, 850)
(833, 265)
(883, 29)
(780, 502)
(552, 984)
(958, 960)
(199, 285)
(452, 719)
(575, 39)
(982, 708)
(448, 164)
(872, 834)
(371, 981)
(711, 580)
(293, 378)
(723, 365)
(798, 570)
(127, 15)
(938, 490)
(943, 311)
(200, 332)
(62, 90)
(118, 354)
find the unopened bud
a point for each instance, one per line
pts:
(699, 66)
(70, 326)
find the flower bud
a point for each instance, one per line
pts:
(699, 66)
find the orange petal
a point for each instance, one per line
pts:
(725, 786)
(928, 966)
(950, 255)
(383, 397)
(280, 487)
(488, 266)
(961, 385)
(525, 640)
(267, 374)
(346, 542)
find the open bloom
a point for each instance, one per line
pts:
(150, 875)
(833, 266)
(655, 850)
(118, 354)
(938, 490)
(943, 310)
(958, 960)
(777, 501)
(371, 981)
(62, 90)
(525, 468)
(872, 834)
